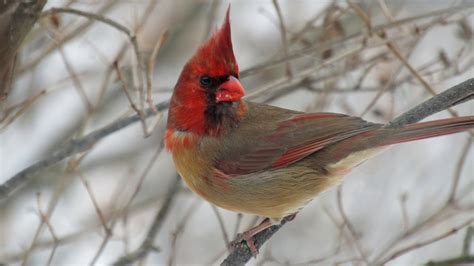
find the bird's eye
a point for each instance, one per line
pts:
(205, 81)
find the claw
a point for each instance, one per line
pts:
(248, 239)
(247, 236)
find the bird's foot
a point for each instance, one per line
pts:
(248, 238)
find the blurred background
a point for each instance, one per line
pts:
(77, 72)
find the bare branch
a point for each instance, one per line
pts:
(322, 46)
(466, 247)
(350, 227)
(462, 260)
(457, 174)
(97, 209)
(67, 37)
(147, 244)
(93, 16)
(284, 39)
(45, 219)
(72, 147)
(221, 225)
(461, 92)
(242, 254)
(151, 67)
(428, 241)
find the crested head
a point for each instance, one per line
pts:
(216, 56)
(207, 96)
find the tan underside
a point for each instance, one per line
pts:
(275, 193)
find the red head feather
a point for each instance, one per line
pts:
(216, 56)
(191, 103)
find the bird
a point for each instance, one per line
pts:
(260, 159)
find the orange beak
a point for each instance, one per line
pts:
(230, 91)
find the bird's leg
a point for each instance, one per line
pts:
(247, 236)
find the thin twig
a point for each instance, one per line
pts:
(95, 203)
(403, 205)
(125, 89)
(71, 166)
(238, 221)
(350, 227)
(77, 83)
(151, 67)
(297, 78)
(89, 15)
(147, 244)
(396, 51)
(459, 167)
(131, 36)
(322, 46)
(442, 210)
(70, 148)
(67, 37)
(284, 39)
(45, 220)
(409, 248)
(222, 226)
(466, 247)
(458, 261)
(180, 229)
(13, 112)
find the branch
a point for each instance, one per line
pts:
(66, 37)
(427, 242)
(465, 258)
(462, 260)
(458, 94)
(72, 147)
(284, 39)
(322, 46)
(242, 254)
(147, 244)
(451, 97)
(16, 20)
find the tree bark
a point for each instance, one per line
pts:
(17, 18)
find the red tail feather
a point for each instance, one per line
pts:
(429, 129)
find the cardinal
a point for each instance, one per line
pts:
(260, 159)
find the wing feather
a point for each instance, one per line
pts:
(288, 140)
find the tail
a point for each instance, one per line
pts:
(385, 136)
(426, 130)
